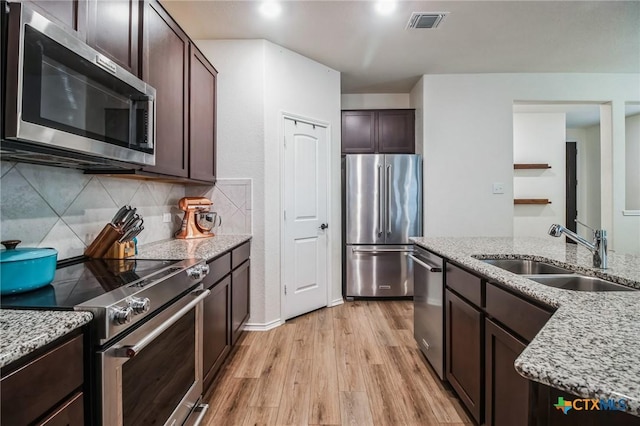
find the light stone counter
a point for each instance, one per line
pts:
(24, 331)
(201, 248)
(591, 345)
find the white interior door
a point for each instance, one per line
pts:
(306, 187)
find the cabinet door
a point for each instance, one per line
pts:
(42, 384)
(216, 335)
(396, 131)
(70, 13)
(507, 392)
(358, 132)
(240, 282)
(202, 118)
(114, 30)
(165, 68)
(464, 352)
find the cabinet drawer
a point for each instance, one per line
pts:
(71, 413)
(32, 390)
(240, 254)
(218, 268)
(465, 284)
(525, 318)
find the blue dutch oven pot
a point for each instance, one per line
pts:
(25, 269)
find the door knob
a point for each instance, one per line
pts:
(324, 226)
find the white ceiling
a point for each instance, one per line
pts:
(376, 54)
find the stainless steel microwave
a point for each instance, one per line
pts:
(65, 102)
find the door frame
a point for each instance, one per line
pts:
(281, 129)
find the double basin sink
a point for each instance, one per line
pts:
(555, 276)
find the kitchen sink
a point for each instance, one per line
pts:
(579, 283)
(527, 267)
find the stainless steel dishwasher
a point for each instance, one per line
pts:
(428, 304)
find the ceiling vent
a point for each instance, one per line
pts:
(419, 20)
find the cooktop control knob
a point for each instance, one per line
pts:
(139, 305)
(205, 269)
(196, 272)
(121, 315)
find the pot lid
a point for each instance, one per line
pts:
(13, 254)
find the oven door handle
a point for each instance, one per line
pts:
(133, 350)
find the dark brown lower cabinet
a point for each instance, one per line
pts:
(240, 279)
(47, 390)
(70, 413)
(216, 333)
(464, 326)
(506, 392)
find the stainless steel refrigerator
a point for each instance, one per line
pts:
(383, 208)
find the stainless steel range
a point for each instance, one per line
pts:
(145, 336)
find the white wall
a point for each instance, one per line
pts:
(297, 85)
(632, 132)
(468, 142)
(588, 169)
(375, 101)
(539, 138)
(257, 82)
(416, 101)
(240, 138)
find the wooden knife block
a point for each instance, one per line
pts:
(121, 250)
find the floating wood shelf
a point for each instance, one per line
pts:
(522, 166)
(531, 201)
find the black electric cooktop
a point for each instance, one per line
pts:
(80, 282)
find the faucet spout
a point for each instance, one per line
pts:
(598, 247)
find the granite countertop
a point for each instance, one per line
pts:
(591, 346)
(201, 248)
(23, 331)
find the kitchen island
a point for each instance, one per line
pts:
(590, 346)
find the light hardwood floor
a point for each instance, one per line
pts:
(354, 364)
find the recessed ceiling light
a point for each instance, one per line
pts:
(385, 7)
(270, 8)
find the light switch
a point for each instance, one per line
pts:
(166, 217)
(498, 188)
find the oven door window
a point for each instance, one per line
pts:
(155, 380)
(64, 91)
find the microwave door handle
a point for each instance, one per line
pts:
(149, 118)
(131, 351)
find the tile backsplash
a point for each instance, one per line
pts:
(65, 209)
(231, 199)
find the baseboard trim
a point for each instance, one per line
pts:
(336, 302)
(263, 326)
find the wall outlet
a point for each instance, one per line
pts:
(166, 217)
(498, 188)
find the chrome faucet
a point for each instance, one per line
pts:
(598, 247)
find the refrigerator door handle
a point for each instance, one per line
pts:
(374, 251)
(388, 199)
(380, 206)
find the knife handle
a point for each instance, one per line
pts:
(105, 239)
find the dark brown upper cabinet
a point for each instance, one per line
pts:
(70, 13)
(202, 118)
(114, 28)
(185, 84)
(390, 131)
(166, 67)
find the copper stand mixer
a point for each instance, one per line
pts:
(198, 219)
